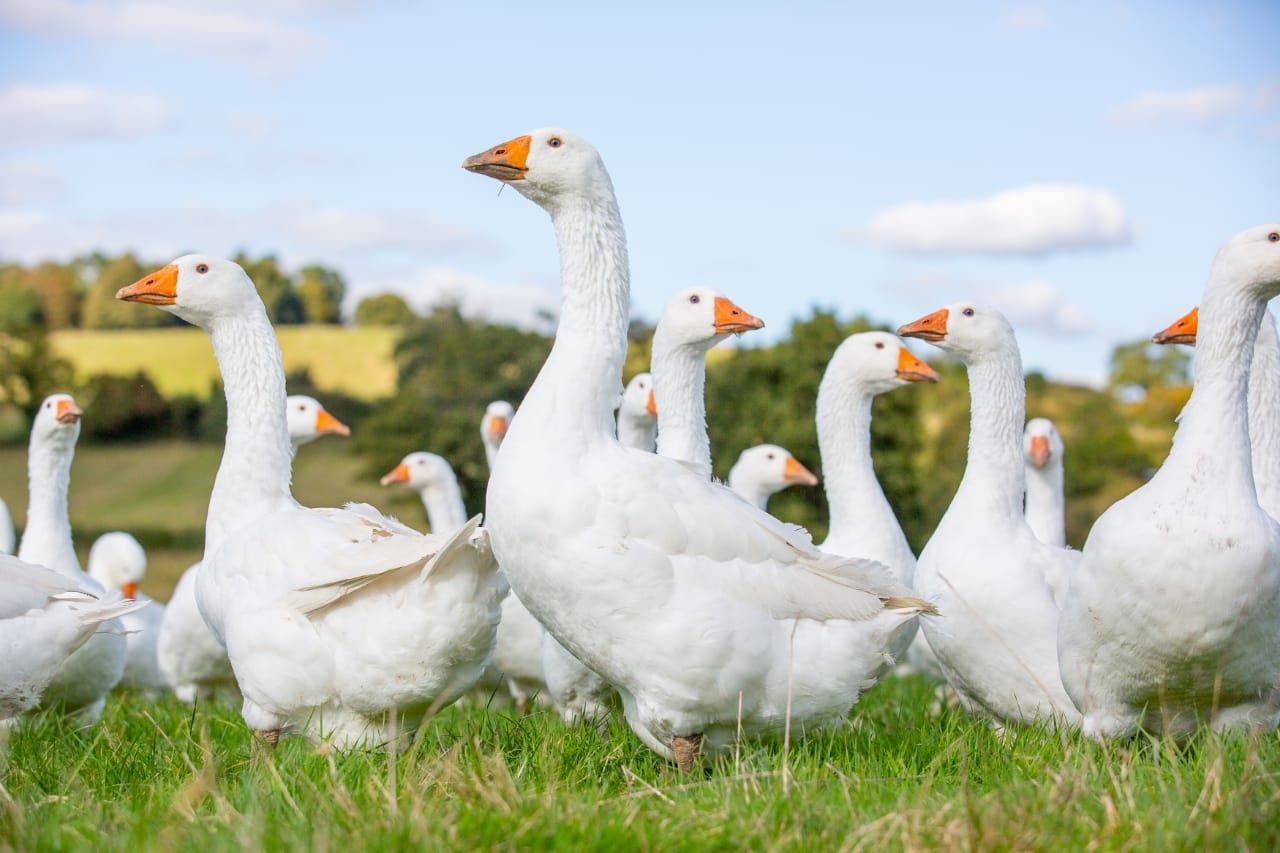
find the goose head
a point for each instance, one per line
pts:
(1041, 443)
(57, 422)
(546, 166)
(308, 420)
(196, 288)
(771, 467)
(877, 362)
(971, 332)
(496, 421)
(419, 471)
(700, 318)
(638, 402)
(1180, 331)
(118, 562)
(1251, 260)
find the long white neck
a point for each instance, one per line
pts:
(679, 383)
(1264, 415)
(257, 459)
(994, 476)
(1045, 505)
(46, 541)
(637, 433)
(749, 487)
(860, 513)
(490, 453)
(445, 510)
(574, 393)
(1213, 431)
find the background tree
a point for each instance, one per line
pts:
(59, 289)
(276, 289)
(321, 291)
(383, 309)
(30, 370)
(1145, 365)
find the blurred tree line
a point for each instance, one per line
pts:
(450, 367)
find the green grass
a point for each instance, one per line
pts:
(159, 491)
(354, 361)
(165, 776)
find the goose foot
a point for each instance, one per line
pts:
(270, 736)
(686, 749)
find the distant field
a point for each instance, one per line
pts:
(160, 491)
(355, 361)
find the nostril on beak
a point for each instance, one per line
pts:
(499, 151)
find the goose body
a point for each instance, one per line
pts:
(118, 563)
(191, 659)
(864, 366)
(339, 623)
(1263, 402)
(81, 684)
(638, 414)
(1045, 506)
(517, 653)
(708, 615)
(994, 581)
(1173, 619)
(8, 539)
(45, 618)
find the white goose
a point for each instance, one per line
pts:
(694, 321)
(81, 686)
(45, 617)
(8, 539)
(339, 623)
(493, 428)
(709, 616)
(1173, 618)
(1264, 402)
(190, 657)
(118, 562)
(993, 579)
(764, 470)
(638, 414)
(517, 654)
(1045, 508)
(864, 366)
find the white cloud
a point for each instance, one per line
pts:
(528, 306)
(1037, 305)
(1026, 18)
(1026, 220)
(1201, 105)
(23, 182)
(43, 113)
(349, 230)
(195, 32)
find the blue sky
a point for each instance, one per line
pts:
(1076, 163)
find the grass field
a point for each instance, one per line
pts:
(159, 491)
(164, 776)
(355, 361)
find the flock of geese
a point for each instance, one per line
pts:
(612, 568)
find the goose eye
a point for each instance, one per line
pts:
(695, 299)
(879, 344)
(1274, 236)
(554, 142)
(202, 268)
(968, 312)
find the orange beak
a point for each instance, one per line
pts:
(327, 424)
(497, 428)
(931, 327)
(398, 474)
(913, 369)
(1183, 331)
(67, 412)
(129, 590)
(651, 405)
(159, 288)
(730, 319)
(506, 162)
(1039, 450)
(795, 474)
